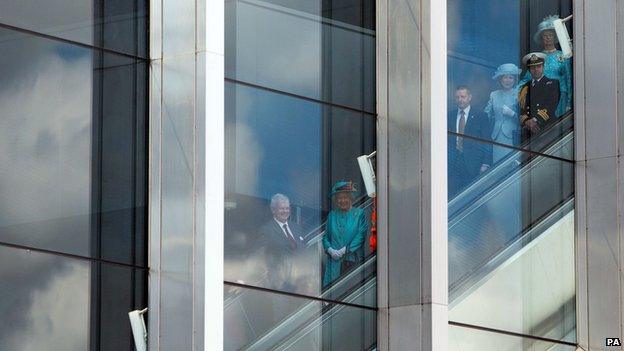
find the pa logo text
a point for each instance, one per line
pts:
(613, 342)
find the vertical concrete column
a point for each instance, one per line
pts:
(213, 166)
(186, 174)
(599, 124)
(411, 95)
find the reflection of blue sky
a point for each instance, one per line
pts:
(71, 53)
(282, 136)
(482, 34)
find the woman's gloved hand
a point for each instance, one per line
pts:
(508, 112)
(335, 254)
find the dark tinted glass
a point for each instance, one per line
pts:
(323, 50)
(111, 24)
(260, 320)
(278, 144)
(487, 41)
(72, 156)
(51, 302)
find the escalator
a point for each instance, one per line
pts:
(530, 182)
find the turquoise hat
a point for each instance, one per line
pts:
(547, 23)
(507, 68)
(343, 186)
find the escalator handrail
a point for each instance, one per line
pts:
(497, 174)
(306, 317)
(492, 182)
(234, 297)
(463, 287)
(545, 139)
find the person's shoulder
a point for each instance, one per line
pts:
(268, 226)
(357, 211)
(477, 111)
(550, 81)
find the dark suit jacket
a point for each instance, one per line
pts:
(539, 102)
(464, 166)
(279, 256)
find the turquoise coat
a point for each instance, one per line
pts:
(344, 229)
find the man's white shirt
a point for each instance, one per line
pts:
(281, 225)
(466, 112)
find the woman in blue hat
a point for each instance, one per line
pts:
(345, 232)
(502, 109)
(555, 66)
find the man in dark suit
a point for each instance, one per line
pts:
(538, 98)
(283, 247)
(467, 158)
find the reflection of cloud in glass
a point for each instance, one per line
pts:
(66, 18)
(45, 303)
(45, 135)
(45, 166)
(249, 156)
(278, 49)
(278, 145)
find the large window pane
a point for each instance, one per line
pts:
(72, 153)
(52, 302)
(511, 247)
(110, 24)
(492, 95)
(278, 144)
(260, 320)
(319, 49)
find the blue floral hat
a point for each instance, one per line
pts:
(507, 68)
(547, 23)
(343, 186)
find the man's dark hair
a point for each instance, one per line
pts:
(463, 87)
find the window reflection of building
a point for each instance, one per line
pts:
(72, 177)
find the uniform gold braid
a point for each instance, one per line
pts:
(522, 96)
(543, 113)
(522, 102)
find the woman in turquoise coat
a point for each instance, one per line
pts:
(345, 232)
(555, 66)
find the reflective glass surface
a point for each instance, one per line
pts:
(111, 24)
(279, 144)
(51, 302)
(72, 156)
(468, 339)
(492, 93)
(323, 50)
(261, 320)
(511, 246)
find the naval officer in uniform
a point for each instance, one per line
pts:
(538, 98)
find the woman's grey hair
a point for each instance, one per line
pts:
(277, 198)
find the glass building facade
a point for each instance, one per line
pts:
(73, 175)
(124, 180)
(299, 110)
(511, 188)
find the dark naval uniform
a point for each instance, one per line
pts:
(538, 102)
